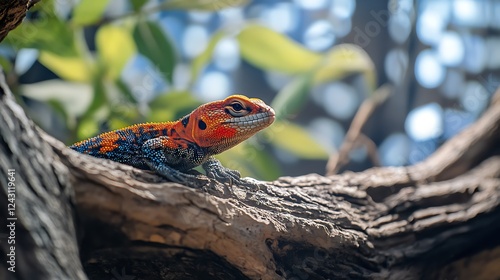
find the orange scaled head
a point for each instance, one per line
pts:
(222, 124)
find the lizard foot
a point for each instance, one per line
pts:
(216, 171)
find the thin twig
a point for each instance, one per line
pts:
(337, 160)
(371, 148)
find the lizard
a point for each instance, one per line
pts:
(170, 149)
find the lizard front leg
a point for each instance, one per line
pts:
(169, 157)
(217, 171)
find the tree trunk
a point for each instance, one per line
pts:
(77, 216)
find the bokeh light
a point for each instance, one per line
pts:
(470, 13)
(214, 85)
(25, 59)
(312, 4)
(430, 26)
(282, 17)
(319, 36)
(195, 40)
(428, 71)
(450, 49)
(342, 9)
(227, 54)
(339, 100)
(425, 122)
(399, 27)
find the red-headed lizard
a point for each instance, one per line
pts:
(172, 148)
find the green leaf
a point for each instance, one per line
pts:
(172, 106)
(293, 96)
(125, 91)
(47, 33)
(205, 5)
(116, 46)
(198, 63)
(270, 50)
(89, 11)
(343, 60)
(69, 68)
(295, 139)
(138, 4)
(153, 43)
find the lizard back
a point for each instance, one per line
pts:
(123, 145)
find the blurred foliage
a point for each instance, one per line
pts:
(107, 99)
(153, 44)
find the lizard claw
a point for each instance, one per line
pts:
(216, 171)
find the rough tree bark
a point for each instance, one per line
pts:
(80, 217)
(12, 14)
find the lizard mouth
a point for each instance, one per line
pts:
(254, 121)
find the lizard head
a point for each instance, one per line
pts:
(222, 124)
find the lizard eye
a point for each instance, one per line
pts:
(237, 106)
(236, 109)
